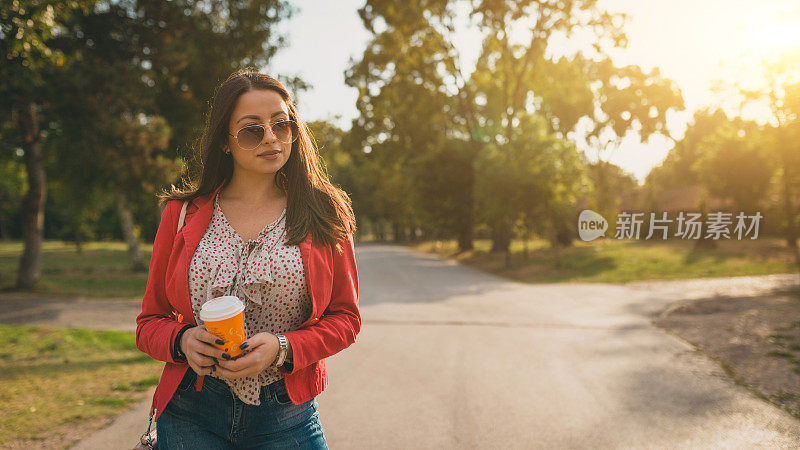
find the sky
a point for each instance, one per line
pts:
(693, 42)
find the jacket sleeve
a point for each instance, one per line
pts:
(156, 327)
(341, 321)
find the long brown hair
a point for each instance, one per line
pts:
(313, 203)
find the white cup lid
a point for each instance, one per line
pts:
(221, 308)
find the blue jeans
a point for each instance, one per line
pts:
(215, 418)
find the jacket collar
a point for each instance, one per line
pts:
(194, 229)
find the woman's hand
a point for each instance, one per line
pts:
(263, 351)
(196, 344)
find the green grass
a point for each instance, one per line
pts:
(101, 270)
(55, 378)
(619, 261)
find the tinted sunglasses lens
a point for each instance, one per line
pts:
(250, 137)
(283, 131)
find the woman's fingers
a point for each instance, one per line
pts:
(255, 341)
(248, 364)
(208, 350)
(205, 358)
(199, 345)
(202, 355)
(202, 334)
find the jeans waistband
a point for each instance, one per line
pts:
(219, 386)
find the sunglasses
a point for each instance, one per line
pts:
(251, 136)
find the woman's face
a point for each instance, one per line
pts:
(259, 107)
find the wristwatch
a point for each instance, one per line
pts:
(283, 351)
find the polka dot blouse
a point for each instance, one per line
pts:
(264, 273)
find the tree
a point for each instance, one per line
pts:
(734, 164)
(531, 186)
(28, 63)
(413, 56)
(627, 99)
(679, 168)
(186, 49)
(136, 70)
(779, 89)
(401, 103)
(12, 179)
(108, 142)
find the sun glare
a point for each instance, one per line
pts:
(758, 40)
(771, 38)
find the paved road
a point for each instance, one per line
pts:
(450, 357)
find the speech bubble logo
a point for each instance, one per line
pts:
(591, 225)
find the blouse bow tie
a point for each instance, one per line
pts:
(256, 270)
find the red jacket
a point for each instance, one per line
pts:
(166, 307)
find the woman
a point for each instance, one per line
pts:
(262, 223)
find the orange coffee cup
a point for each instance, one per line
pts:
(224, 318)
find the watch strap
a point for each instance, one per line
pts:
(284, 349)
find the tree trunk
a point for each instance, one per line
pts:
(604, 200)
(497, 239)
(788, 208)
(467, 228)
(126, 221)
(380, 232)
(501, 240)
(397, 232)
(465, 237)
(33, 203)
(4, 235)
(552, 231)
(525, 243)
(510, 233)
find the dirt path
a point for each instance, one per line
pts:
(98, 314)
(749, 325)
(755, 339)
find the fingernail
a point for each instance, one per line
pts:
(220, 342)
(244, 346)
(226, 356)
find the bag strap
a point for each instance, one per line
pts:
(183, 216)
(147, 439)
